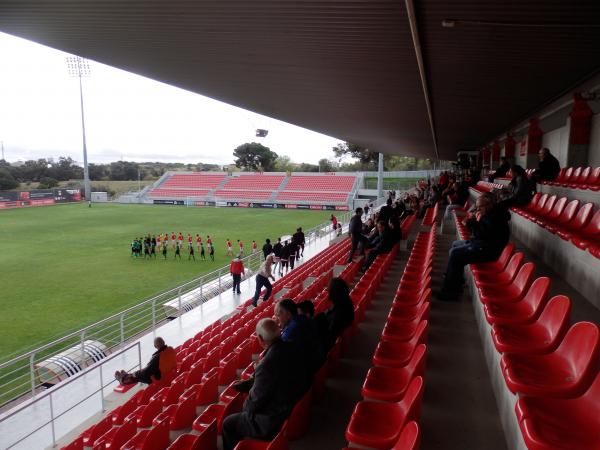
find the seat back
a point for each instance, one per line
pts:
(537, 295)
(568, 175)
(410, 438)
(416, 365)
(582, 217)
(413, 399)
(594, 177)
(593, 227)
(584, 175)
(209, 388)
(541, 203)
(548, 206)
(555, 316)
(505, 255)
(523, 278)
(298, 420)
(534, 200)
(561, 175)
(575, 175)
(558, 208)
(581, 348)
(420, 336)
(569, 212)
(513, 265)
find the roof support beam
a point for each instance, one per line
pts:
(414, 31)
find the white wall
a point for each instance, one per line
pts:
(594, 152)
(557, 141)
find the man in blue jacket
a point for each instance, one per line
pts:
(489, 235)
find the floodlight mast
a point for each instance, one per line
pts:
(80, 67)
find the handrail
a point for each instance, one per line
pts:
(19, 374)
(53, 390)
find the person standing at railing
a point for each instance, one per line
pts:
(267, 249)
(300, 240)
(262, 280)
(236, 269)
(355, 232)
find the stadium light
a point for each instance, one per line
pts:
(80, 67)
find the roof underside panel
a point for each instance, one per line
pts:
(486, 77)
(344, 68)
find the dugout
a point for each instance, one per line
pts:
(70, 362)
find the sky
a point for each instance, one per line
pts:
(127, 116)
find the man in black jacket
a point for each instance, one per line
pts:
(355, 232)
(274, 389)
(382, 244)
(267, 248)
(548, 168)
(299, 240)
(490, 232)
(501, 171)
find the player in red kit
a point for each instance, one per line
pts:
(229, 249)
(198, 241)
(173, 240)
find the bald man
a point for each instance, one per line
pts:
(277, 384)
(152, 371)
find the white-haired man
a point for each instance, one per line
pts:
(277, 384)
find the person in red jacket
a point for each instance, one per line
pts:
(254, 247)
(236, 268)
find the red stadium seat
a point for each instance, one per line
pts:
(156, 438)
(564, 218)
(567, 372)
(556, 211)
(116, 436)
(298, 420)
(589, 235)
(178, 416)
(90, 435)
(495, 266)
(278, 443)
(399, 354)
(379, 425)
(206, 440)
(388, 384)
(145, 414)
(506, 276)
(512, 292)
(549, 423)
(522, 312)
(120, 413)
(218, 412)
(402, 329)
(77, 444)
(541, 336)
(593, 182)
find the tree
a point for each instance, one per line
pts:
(47, 183)
(97, 171)
(7, 181)
(365, 156)
(125, 170)
(307, 167)
(255, 156)
(325, 165)
(283, 164)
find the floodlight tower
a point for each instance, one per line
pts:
(80, 67)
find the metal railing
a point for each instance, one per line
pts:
(19, 376)
(44, 410)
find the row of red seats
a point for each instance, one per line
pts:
(254, 182)
(553, 367)
(313, 196)
(486, 186)
(567, 219)
(393, 388)
(577, 178)
(208, 362)
(197, 180)
(340, 183)
(160, 192)
(246, 194)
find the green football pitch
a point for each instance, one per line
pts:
(65, 266)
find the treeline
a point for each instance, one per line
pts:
(49, 172)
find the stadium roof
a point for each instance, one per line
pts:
(348, 68)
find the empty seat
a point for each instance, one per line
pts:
(90, 435)
(217, 412)
(522, 312)
(279, 442)
(566, 372)
(156, 438)
(549, 423)
(564, 218)
(397, 353)
(178, 416)
(541, 336)
(401, 329)
(506, 276)
(512, 292)
(116, 436)
(298, 420)
(206, 440)
(145, 414)
(389, 384)
(379, 425)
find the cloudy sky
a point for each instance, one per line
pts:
(127, 116)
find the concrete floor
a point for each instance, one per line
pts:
(459, 409)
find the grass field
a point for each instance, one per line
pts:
(65, 266)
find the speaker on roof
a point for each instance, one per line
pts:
(261, 133)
